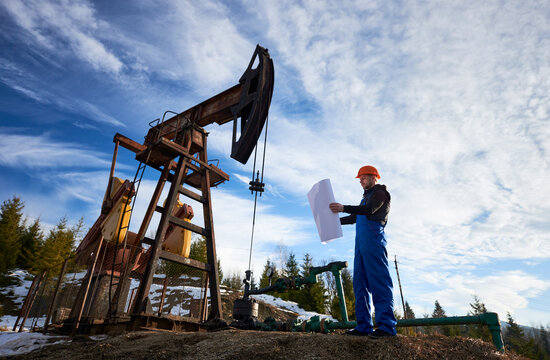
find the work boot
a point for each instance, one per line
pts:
(355, 332)
(377, 334)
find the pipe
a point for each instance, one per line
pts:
(341, 296)
(315, 324)
(490, 319)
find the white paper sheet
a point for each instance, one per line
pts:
(328, 223)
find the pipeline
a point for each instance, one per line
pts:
(245, 311)
(316, 324)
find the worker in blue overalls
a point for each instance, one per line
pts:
(371, 275)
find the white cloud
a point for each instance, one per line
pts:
(233, 229)
(184, 41)
(33, 87)
(446, 109)
(58, 24)
(41, 151)
(509, 291)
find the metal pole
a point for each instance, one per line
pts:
(42, 299)
(111, 174)
(204, 307)
(26, 302)
(400, 289)
(164, 285)
(31, 301)
(88, 281)
(131, 301)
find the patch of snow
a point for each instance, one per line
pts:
(16, 343)
(7, 321)
(290, 306)
(20, 290)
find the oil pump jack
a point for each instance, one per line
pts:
(177, 148)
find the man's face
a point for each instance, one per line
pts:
(367, 181)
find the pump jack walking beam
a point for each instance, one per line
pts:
(246, 103)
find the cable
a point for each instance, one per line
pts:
(252, 236)
(257, 186)
(265, 145)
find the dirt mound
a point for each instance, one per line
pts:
(240, 344)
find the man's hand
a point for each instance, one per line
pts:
(336, 207)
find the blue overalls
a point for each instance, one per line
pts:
(371, 276)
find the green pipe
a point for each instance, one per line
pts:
(341, 296)
(315, 324)
(489, 319)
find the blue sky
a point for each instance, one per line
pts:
(449, 100)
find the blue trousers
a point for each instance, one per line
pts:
(371, 277)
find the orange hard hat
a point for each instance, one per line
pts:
(368, 170)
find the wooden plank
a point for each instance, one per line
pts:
(212, 258)
(192, 195)
(187, 225)
(185, 261)
(148, 241)
(129, 144)
(167, 145)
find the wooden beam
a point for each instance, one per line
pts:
(185, 261)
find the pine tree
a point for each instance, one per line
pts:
(515, 339)
(478, 331)
(439, 313)
(11, 229)
(541, 343)
(30, 241)
(542, 349)
(220, 272)
(311, 297)
(545, 339)
(447, 330)
(197, 251)
(409, 311)
(291, 266)
(57, 247)
(264, 279)
(291, 270)
(410, 315)
(234, 281)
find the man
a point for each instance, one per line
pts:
(371, 275)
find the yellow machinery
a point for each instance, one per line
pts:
(115, 225)
(178, 239)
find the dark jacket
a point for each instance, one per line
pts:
(376, 207)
